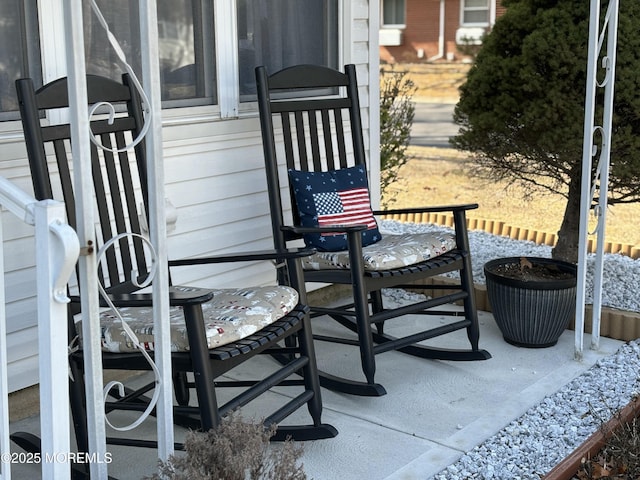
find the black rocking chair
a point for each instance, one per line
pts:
(316, 111)
(213, 331)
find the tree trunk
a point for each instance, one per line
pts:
(569, 234)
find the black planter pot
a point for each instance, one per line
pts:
(531, 312)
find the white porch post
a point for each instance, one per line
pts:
(88, 268)
(600, 183)
(157, 224)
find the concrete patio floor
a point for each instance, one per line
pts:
(434, 411)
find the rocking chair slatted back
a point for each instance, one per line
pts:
(318, 134)
(335, 132)
(119, 203)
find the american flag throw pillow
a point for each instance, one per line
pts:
(339, 197)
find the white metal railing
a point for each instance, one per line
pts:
(603, 39)
(57, 250)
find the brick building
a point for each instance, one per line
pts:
(429, 30)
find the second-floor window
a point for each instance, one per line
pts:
(475, 12)
(393, 13)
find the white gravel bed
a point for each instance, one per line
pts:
(533, 444)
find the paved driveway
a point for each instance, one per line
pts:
(433, 125)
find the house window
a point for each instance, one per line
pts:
(284, 33)
(207, 49)
(393, 13)
(19, 51)
(475, 12)
(187, 72)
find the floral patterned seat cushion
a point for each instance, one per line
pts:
(231, 315)
(393, 251)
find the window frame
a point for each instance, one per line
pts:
(30, 50)
(207, 64)
(393, 25)
(489, 9)
(52, 62)
(247, 102)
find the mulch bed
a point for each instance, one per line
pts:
(527, 271)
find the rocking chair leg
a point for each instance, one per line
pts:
(469, 303)
(181, 388)
(361, 307)
(78, 408)
(363, 330)
(473, 332)
(205, 392)
(377, 306)
(318, 430)
(367, 355)
(466, 281)
(304, 339)
(314, 405)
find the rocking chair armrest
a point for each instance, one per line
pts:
(328, 229)
(258, 255)
(440, 208)
(178, 296)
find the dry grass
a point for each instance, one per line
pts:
(437, 176)
(435, 82)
